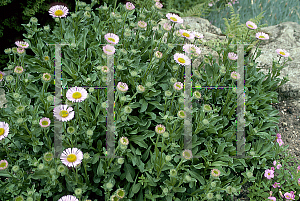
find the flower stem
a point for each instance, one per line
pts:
(8, 154)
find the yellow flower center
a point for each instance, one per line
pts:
(124, 141)
(2, 131)
(3, 165)
(1, 76)
(178, 85)
(44, 123)
(173, 18)
(261, 37)
(182, 113)
(46, 58)
(76, 95)
(58, 13)
(71, 158)
(250, 26)
(186, 34)
(282, 53)
(112, 39)
(64, 113)
(181, 60)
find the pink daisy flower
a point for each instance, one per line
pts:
(63, 112)
(122, 87)
(22, 44)
(124, 141)
(251, 25)
(158, 5)
(272, 198)
(109, 50)
(45, 122)
(283, 52)
(215, 172)
(129, 6)
(142, 24)
(178, 86)
(160, 129)
(262, 36)
(174, 18)
(187, 154)
(58, 11)
(235, 75)
(76, 94)
(232, 56)
(112, 38)
(18, 69)
(167, 27)
(20, 50)
(3, 164)
(158, 54)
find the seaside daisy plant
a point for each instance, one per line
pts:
(115, 67)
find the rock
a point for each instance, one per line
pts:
(283, 36)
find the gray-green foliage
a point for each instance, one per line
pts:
(276, 12)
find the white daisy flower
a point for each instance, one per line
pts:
(109, 50)
(187, 34)
(262, 36)
(71, 157)
(58, 11)
(188, 48)
(76, 94)
(283, 52)
(22, 44)
(174, 18)
(68, 198)
(112, 38)
(251, 25)
(182, 59)
(4, 129)
(63, 113)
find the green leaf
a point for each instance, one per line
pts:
(100, 170)
(135, 188)
(144, 106)
(129, 171)
(39, 174)
(179, 189)
(97, 111)
(199, 166)
(219, 163)
(95, 158)
(4, 173)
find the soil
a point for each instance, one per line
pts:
(289, 127)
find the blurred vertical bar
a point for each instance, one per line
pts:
(240, 103)
(188, 107)
(57, 101)
(110, 135)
